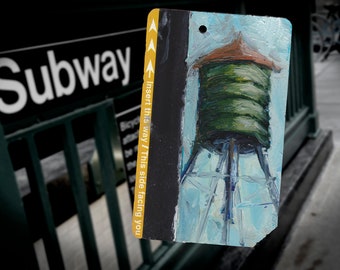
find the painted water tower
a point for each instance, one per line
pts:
(233, 127)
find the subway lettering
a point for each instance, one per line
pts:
(80, 73)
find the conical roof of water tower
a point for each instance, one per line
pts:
(238, 51)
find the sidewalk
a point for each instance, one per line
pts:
(314, 241)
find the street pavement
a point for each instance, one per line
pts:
(314, 241)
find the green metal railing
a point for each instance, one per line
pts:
(102, 118)
(100, 124)
(301, 114)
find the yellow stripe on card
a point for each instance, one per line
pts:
(145, 123)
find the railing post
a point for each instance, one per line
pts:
(39, 191)
(307, 67)
(102, 137)
(79, 192)
(16, 244)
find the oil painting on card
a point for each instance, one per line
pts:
(229, 91)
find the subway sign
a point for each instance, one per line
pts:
(38, 82)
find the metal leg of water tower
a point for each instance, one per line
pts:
(273, 191)
(212, 189)
(231, 179)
